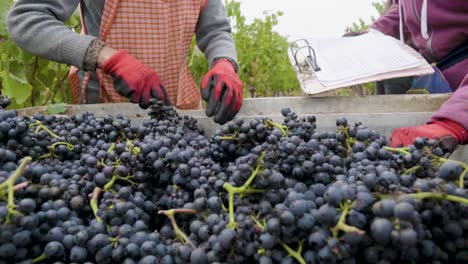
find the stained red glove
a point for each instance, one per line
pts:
(134, 80)
(222, 89)
(436, 130)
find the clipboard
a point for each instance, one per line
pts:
(304, 61)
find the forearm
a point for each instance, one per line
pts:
(38, 27)
(456, 107)
(213, 31)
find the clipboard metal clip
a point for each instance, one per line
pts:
(310, 59)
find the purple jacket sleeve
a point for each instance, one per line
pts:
(456, 107)
(389, 23)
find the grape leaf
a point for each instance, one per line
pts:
(17, 72)
(10, 49)
(56, 109)
(20, 92)
(4, 8)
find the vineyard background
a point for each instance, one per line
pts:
(262, 54)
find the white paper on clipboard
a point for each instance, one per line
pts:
(349, 61)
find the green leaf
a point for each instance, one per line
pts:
(17, 72)
(4, 8)
(9, 48)
(265, 73)
(25, 57)
(17, 91)
(74, 21)
(56, 109)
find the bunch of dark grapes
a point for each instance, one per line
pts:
(82, 189)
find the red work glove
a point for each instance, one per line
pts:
(436, 130)
(222, 89)
(134, 80)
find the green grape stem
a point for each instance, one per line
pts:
(283, 129)
(397, 224)
(102, 163)
(341, 225)
(438, 161)
(294, 254)
(8, 187)
(114, 241)
(344, 130)
(41, 126)
(349, 141)
(180, 235)
(222, 204)
(51, 154)
(461, 181)
(261, 251)
(53, 146)
(17, 187)
(111, 148)
(232, 220)
(132, 149)
(40, 258)
(232, 191)
(380, 195)
(115, 178)
(251, 191)
(232, 138)
(438, 196)
(404, 151)
(94, 203)
(257, 222)
(411, 170)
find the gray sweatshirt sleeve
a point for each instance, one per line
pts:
(213, 33)
(38, 27)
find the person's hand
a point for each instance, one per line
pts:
(222, 89)
(134, 80)
(402, 137)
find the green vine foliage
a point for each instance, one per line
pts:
(30, 80)
(381, 8)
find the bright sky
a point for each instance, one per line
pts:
(311, 18)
